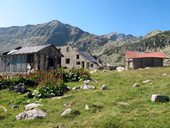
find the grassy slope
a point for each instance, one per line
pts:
(104, 111)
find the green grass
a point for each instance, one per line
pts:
(104, 111)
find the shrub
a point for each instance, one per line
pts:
(76, 75)
(8, 82)
(51, 87)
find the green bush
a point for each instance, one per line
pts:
(51, 87)
(76, 75)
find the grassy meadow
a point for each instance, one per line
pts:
(104, 110)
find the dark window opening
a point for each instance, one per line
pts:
(77, 57)
(67, 49)
(91, 65)
(30, 58)
(78, 63)
(67, 61)
(51, 62)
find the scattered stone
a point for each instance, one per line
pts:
(19, 88)
(70, 104)
(69, 112)
(120, 69)
(136, 85)
(76, 88)
(32, 106)
(146, 81)
(31, 114)
(164, 74)
(85, 87)
(30, 95)
(60, 97)
(68, 88)
(123, 103)
(87, 107)
(5, 110)
(15, 107)
(86, 82)
(159, 98)
(104, 87)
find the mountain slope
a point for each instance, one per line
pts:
(53, 32)
(157, 42)
(109, 47)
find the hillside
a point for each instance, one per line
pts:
(156, 42)
(53, 32)
(120, 106)
(109, 47)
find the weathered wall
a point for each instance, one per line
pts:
(144, 62)
(71, 53)
(40, 61)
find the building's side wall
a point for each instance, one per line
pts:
(158, 62)
(147, 62)
(40, 61)
(48, 58)
(18, 63)
(74, 61)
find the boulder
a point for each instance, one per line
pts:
(146, 81)
(76, 88)
(120, 69)
(164, 74)
(19, 88)
(15, 107)
(159, 98)
(69, 112)
(104, 87)
(2, 107)
(87, 107)
(30, 95)
(86, 82)
(85, 87)
(136, 85)
(31, 114)
(123, 103)
(32, 106)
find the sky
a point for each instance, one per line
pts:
(137, 17)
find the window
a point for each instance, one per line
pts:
(78, 63)
(91, 65)
(30, 58)
(77, 57)
(67, 49)
(51, 62)
(67, 61)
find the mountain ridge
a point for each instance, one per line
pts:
(109, 47)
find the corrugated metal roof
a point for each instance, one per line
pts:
(88, 56)
(131, 55)
(28, 50)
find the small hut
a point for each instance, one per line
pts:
(135, 60)
(26, 59)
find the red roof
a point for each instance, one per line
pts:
(131, 55)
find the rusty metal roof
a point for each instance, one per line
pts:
(27, 50)
(132, 54)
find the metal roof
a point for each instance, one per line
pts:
(88, 56)
(27, 50)
(132, 54)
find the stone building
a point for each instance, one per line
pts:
(25, 59)
(78, 59)
(135, 60)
